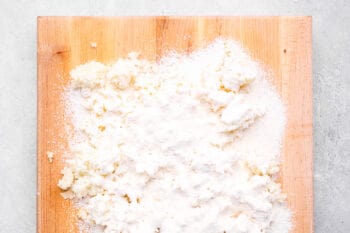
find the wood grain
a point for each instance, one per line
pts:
(283, 44)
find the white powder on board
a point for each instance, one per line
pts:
(189, 144)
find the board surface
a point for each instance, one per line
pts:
(283, 44)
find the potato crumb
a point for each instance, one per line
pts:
(93, 44)
(50, 156)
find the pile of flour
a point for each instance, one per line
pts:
(190, 144)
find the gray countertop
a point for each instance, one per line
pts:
(331, 91)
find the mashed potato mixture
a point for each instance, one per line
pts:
(188, 144)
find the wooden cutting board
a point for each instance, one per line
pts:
(283, 44)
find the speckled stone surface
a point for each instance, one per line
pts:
(331, 80)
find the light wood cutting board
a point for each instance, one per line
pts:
(283, 44)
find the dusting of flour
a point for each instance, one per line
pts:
(190, 144)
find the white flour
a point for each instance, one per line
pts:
(190, 144)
